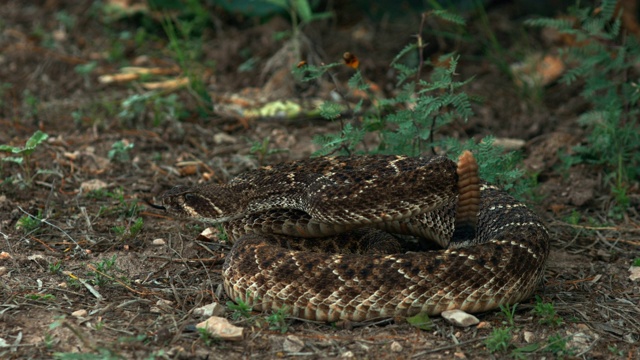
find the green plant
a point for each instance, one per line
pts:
(120, 151)
(86, 69)
(604, 60)
(261, 149)
(421, 321)
(45, 297)
(55, 267)
(49, 340)
(547, 313)
(32, 102)
(162, 107)
(409, 130)
(574, 218)
(130, 231)
(22, 155)
(104, 271)
(557, 345)
(499, 340)
(636, 262)
(240, 309)
(207, 337)
(409, 122)
(278, 321)
(185, 41)
(67, 20)
(300, 12)
(4, 86)
(509, 311)
(615, 351)
(29, 223)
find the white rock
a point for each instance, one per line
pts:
(635, 273)
(529, 337)
(79, 313)
(223, 138)
(91, 185)
(3, 270)
(213, 309)
(396, 347)
(292, 344)
(35, 257)
(347, 354)
(163, 302)
(208, 234)
(158, 242)
(459, 318)
(220, 327)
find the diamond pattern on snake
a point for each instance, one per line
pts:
(343, 238)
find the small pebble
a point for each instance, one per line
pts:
(396, 347)
(158, 242)
(529, 337)
(484, 325)
(213, 309)
(459, 318)
(292, 344)
(79, 313)
(221, 328)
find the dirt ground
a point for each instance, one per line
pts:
(89, 253)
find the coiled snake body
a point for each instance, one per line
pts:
(281, 216)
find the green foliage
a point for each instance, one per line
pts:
(22, 155)
(409, 130)
(105, 270)
(44, 297)
(262, 149)
(524, 352)
(152, 104)
(421, 321)
(509, 311)
(615, 351)
(557, 345)
(55, 267)
(603, 60)
(185, 41)
(496, 166)
(409, 122)
(278, 320)
(29, 223)
(130, 231)
(547, 313)
(120, 151)
(300, 11)
(499, 340)
(208, 338)
(240, 309)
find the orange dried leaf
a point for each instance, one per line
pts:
(351, 60)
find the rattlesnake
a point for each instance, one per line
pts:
(495, 247)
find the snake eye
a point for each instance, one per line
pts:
(189, 197)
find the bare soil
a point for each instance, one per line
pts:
(142, 307)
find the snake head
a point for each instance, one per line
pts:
(197, 202)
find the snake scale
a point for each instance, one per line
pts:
(492, 247)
